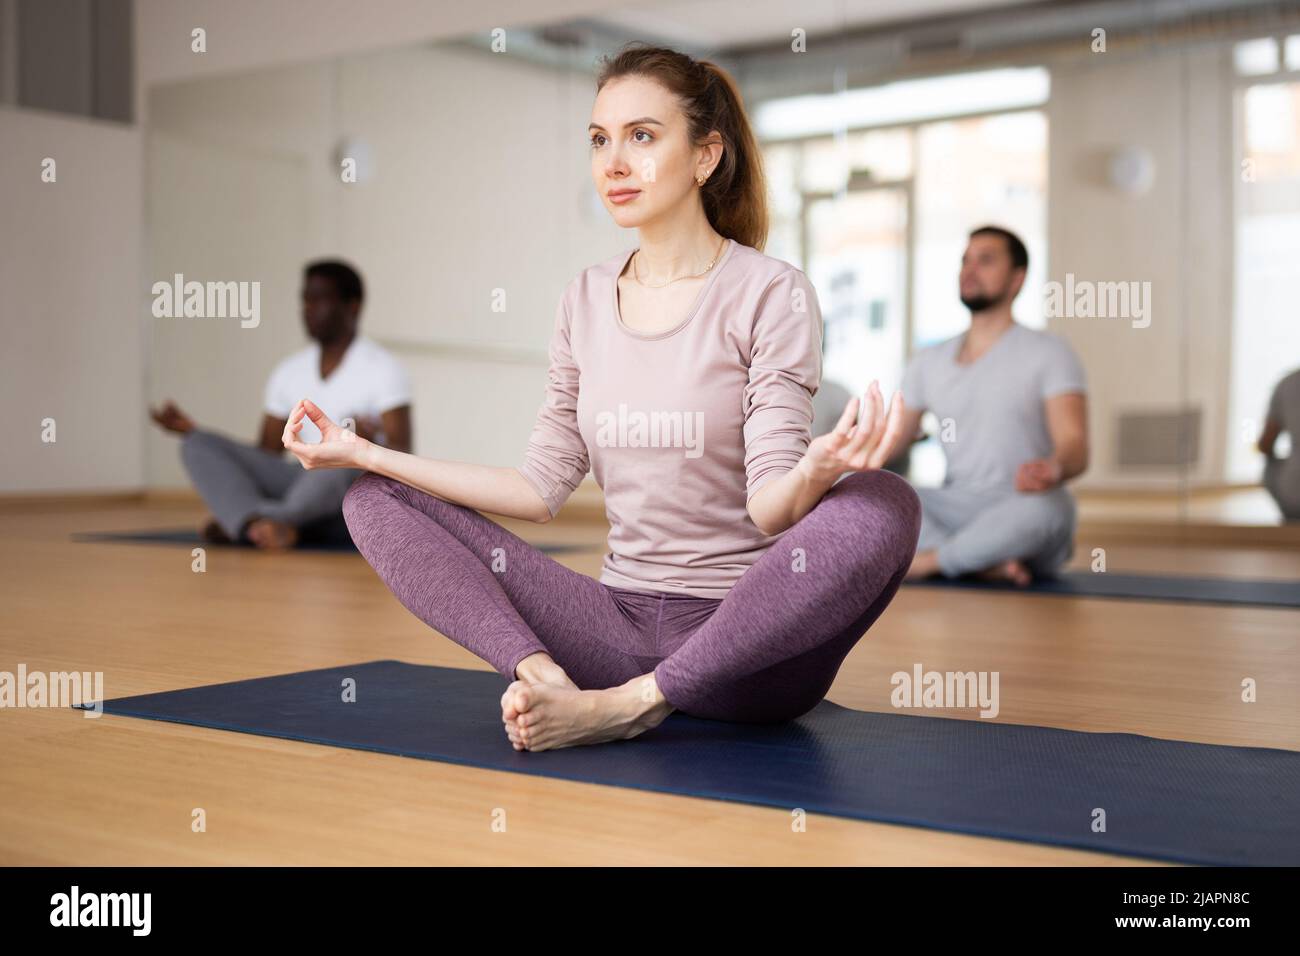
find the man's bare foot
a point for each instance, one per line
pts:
(211, 531)
(271, 535)
(924, 564)
(1013, 571)
(547, 717)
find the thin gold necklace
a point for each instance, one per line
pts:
(637, 277)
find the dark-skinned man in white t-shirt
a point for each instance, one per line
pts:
(255, 494)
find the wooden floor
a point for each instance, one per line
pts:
(121, 791)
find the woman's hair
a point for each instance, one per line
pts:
(735, 194)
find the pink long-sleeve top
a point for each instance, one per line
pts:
(680, 428)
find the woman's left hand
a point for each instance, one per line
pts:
(338, 447)
(865, 447)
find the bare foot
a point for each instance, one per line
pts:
(547, 717)
(924, 564)
(540, 668)
(1013, 571)
(272, 535)
(211, 531)
(555, 676)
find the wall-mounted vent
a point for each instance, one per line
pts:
(1160, 439)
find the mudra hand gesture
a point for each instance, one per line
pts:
(867, 446)
(1040, 474)
(338, 447)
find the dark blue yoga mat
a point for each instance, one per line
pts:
(1141, 587)
(191, 538)
(1167, 799)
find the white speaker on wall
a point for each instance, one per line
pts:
(1132, 170)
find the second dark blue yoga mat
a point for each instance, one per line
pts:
(1142, 587)
(1166, 799)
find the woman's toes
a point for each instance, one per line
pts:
(515, 700)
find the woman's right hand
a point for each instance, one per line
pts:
(338, 447)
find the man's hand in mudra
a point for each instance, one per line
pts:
(865, 438)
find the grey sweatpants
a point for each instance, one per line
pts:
(239, 481)
(975, 530)
(1282, 479)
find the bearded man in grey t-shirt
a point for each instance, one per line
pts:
(1012, 409)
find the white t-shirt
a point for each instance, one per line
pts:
(991, 411)
(367, 382)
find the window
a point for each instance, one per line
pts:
(1256, 57)
(904, 101)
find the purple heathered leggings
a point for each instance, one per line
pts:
(768, 651)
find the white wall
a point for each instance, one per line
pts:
(473, 193)
(71, 323)
(1178, 237)
(221, 212)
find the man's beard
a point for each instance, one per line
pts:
(978, 303)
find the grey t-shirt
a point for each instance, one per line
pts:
(991, 412)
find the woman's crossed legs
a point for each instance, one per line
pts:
(768, 651)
